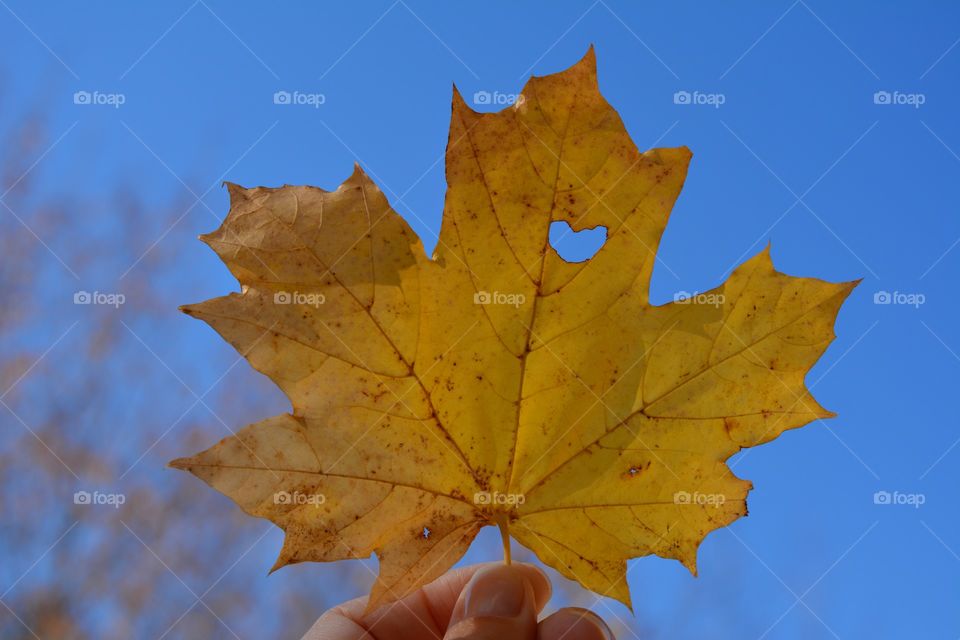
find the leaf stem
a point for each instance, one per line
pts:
(503, 522)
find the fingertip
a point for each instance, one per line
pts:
(334, 625)
(498, 602)
(574, 623)
(542, 589)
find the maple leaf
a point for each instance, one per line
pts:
(497, 384)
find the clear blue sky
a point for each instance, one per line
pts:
(802, 153)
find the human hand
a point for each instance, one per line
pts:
(481, 602)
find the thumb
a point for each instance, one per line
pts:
(497, 603)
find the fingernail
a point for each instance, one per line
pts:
(586, 625)
(495, 591)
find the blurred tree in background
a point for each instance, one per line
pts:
(90, 404)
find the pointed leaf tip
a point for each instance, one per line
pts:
(590, 57)
(586, 65)
(236, 192)
(277, 565)
(459, 105)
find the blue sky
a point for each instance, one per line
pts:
(828, 130)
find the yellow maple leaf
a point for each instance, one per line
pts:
(497, 384)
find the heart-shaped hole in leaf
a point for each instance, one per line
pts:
(576, 246)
